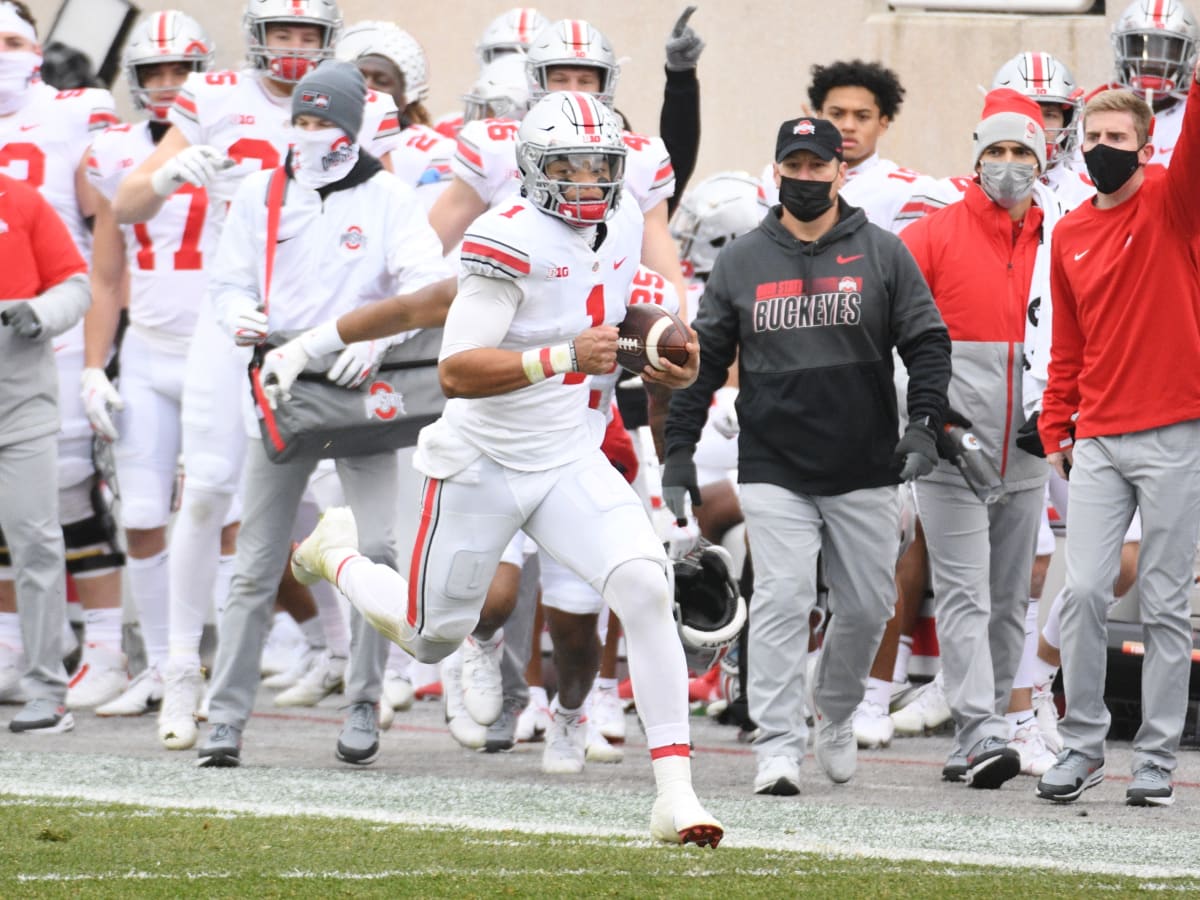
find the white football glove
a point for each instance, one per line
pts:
(196, 165)
(724, 414)
(100, 400)
(680, 540)
(246, 322)
(280, 369)
(357, 363)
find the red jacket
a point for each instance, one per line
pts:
(1126, 282)
(980, 282)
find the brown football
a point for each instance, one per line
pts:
(650, 334)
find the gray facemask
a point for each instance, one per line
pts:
(1007, 183)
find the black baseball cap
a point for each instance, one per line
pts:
(808, 133)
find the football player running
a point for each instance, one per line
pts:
(544, 280)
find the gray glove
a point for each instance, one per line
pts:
(683, 45)
(916, 453)
(678, 481)
(24, 322)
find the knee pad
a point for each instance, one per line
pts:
(213, 473)
(425, 650)
(92, 545)
(638, 584)
(201, 506)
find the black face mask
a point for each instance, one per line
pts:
(1109, 167)
(806, 200)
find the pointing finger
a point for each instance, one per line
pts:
(682, 22)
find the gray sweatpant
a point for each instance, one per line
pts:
(859, 534)
(1157, 471)
(270, 497)
(29, 520)
(981, 558)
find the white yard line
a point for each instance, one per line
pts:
(1072, 845)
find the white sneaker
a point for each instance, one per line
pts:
(387, 714)
(324, 677)
(297, 660)
(599, 750)
(397, 691)
(608, 713)
(1036, 758)
(534, 719)
(1047, 717)
(337, 530)
(778, 775)
(463, 728)
(835, 747)
(678, 818)
(183, 689)
(482, 685)
(927, 711)
(12, 665)
(566, 744)
(100, 678)
(873, 726)
(144, 694)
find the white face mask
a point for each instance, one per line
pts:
(322, 156)
(17, 68)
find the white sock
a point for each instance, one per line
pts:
(1042, 672)
(314, 632)
(10, 631)
(1024, 676)
(1017, 719)
(149, 584)
(903, 655)
(672, 767)
(879, 692)
(103, 627)
(605, 684)
(194, 570)
(537, 696)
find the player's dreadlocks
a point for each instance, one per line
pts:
(875, 77)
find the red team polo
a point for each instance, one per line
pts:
(1126, 287)
(36, 252)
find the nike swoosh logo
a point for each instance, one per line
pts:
(1079, 256)
(842, 260)
(29, 127)
(620, 262)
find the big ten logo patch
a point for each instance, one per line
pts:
(353, 238)
(383, 402)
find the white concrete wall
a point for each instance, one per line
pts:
(754, 71)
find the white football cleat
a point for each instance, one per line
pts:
(608, 713)
(398, 691)
(599, 750)
(325, 675)
(482, 687)
(566, 744)
(1036, 757)
(183, 690)
(100, 678)
(927, 711)
(144, 694)
(465, 730)
(678, 818)
(1047, 716)
(535, 718)
(387, 715)
(873, 727)
(312, 559)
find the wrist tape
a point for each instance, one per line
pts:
(541, 364)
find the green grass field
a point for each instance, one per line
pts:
(84, 849)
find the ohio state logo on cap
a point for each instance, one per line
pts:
(804, 126)
(315, 98)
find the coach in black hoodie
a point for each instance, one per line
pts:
(811, 304)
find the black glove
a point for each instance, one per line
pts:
(1028, 438)
(946, 448)
(21, 318)
(683, 45)
(678, 480)
(916, 453)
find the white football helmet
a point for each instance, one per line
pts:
(580, 130)
(393, 43)
(167, 36)
(714, 212)
(509, 33)
(289, 65)
(1046, 79)
(572, 42)
(500, 92)
(709, 608)
(1155, 46)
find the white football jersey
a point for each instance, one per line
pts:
(422, 161)
(565, 287)
(486, 159)
(166, 254)
(43, 143)
(1071, 186)
(236, 114)
(892, 196)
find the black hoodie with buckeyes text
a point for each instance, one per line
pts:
(812, 326)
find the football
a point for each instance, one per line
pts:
(650, 334)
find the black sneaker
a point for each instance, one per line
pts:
(42, 716)
(222, 749)
(358, 743)
(991, 762)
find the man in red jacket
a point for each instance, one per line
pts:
(986, 263)
(1126, 336)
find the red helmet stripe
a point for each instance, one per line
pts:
(1041, 70)
(585, 113)
(576, 33)
(523, 25)
(1159, 14)
(162, 31)
(298, 7)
